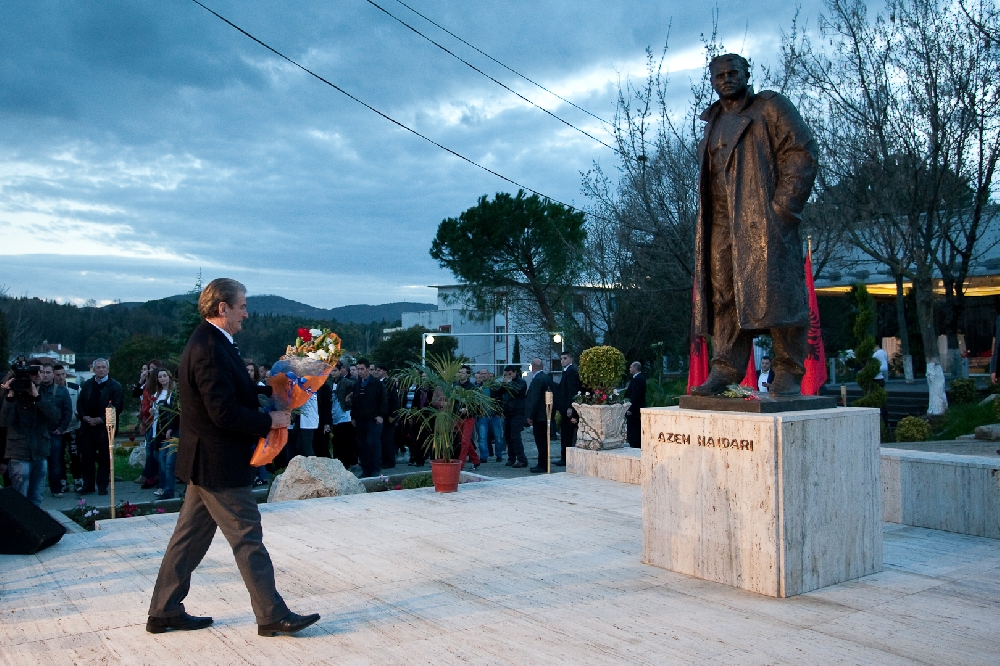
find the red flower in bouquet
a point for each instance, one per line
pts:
(305, 334)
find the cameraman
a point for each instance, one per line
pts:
(28, 416)
(97, 393)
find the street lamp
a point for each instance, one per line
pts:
(430, 339)
(557, 338)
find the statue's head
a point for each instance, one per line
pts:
(730, 75)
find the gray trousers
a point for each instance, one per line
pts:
(234, 511)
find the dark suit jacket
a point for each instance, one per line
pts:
(535, 401)
(636, 394)
(568, 387)
(222, 421)
(111, 393)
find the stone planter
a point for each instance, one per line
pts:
(601, 426)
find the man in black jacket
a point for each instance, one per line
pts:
(96, 395)
(512, 399)
(369, 409)
(220, 427)
(636, 395)
(540, 384)
(565, 391)
(388, 436)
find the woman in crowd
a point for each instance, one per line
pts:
(165, 425)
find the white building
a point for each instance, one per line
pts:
(57, 352)
(488, 338)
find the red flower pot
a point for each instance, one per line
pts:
(445, 475)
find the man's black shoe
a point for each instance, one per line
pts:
(519, 464)
(102, 491)
(499, 458)
(510, 463)
(537, 470)
(289, 625)
(558, 463)
(183, 622)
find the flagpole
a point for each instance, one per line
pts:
(809, 241)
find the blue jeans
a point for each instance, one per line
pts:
(167, 460)
(494, 423)
(152, 468)
(28, 478)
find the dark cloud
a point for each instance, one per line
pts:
(154, 131)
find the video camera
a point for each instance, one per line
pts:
(22, 372)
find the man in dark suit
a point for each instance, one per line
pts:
(636, 395)
(540, 384)
(98, 393)
(219, 430)
(369, 410)
(566, 390)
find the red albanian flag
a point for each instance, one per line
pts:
(815, 363)
(750, 381)
(698, 358)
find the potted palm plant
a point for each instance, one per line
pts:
(439, 420)
(600, 406)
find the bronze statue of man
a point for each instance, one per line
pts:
(758, 163)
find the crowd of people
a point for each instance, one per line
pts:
(355, 417)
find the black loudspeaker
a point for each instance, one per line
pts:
(24, 528)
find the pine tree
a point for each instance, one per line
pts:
(515, 356)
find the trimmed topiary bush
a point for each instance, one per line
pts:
(963, 392)
(913, 429)
(602, 368)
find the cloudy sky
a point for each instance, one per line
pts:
(144, 141)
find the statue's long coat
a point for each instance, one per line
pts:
(769, 174)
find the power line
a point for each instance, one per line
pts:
(509, 69)
(390, 119)
(499, 83)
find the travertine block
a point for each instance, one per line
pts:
(623, 465)
(779, 504)
(942, 491)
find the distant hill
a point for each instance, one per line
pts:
(358, 314)
(279, 305)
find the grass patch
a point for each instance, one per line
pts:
(964, 419)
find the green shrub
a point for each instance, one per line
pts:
(602, 368)
(417, 481)
(963, 392)
(913, 429)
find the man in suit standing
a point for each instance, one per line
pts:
(219, 431)
(369, 410)
(98, 393)
(540, 384)
(567, 389)
(636, 395)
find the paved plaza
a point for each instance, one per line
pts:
(521, 571)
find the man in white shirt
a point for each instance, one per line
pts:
(766, 375)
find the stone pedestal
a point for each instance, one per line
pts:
(778, 504)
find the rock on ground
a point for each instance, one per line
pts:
(313, 476)
(991, 432)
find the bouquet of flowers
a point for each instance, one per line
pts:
(294, 379)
